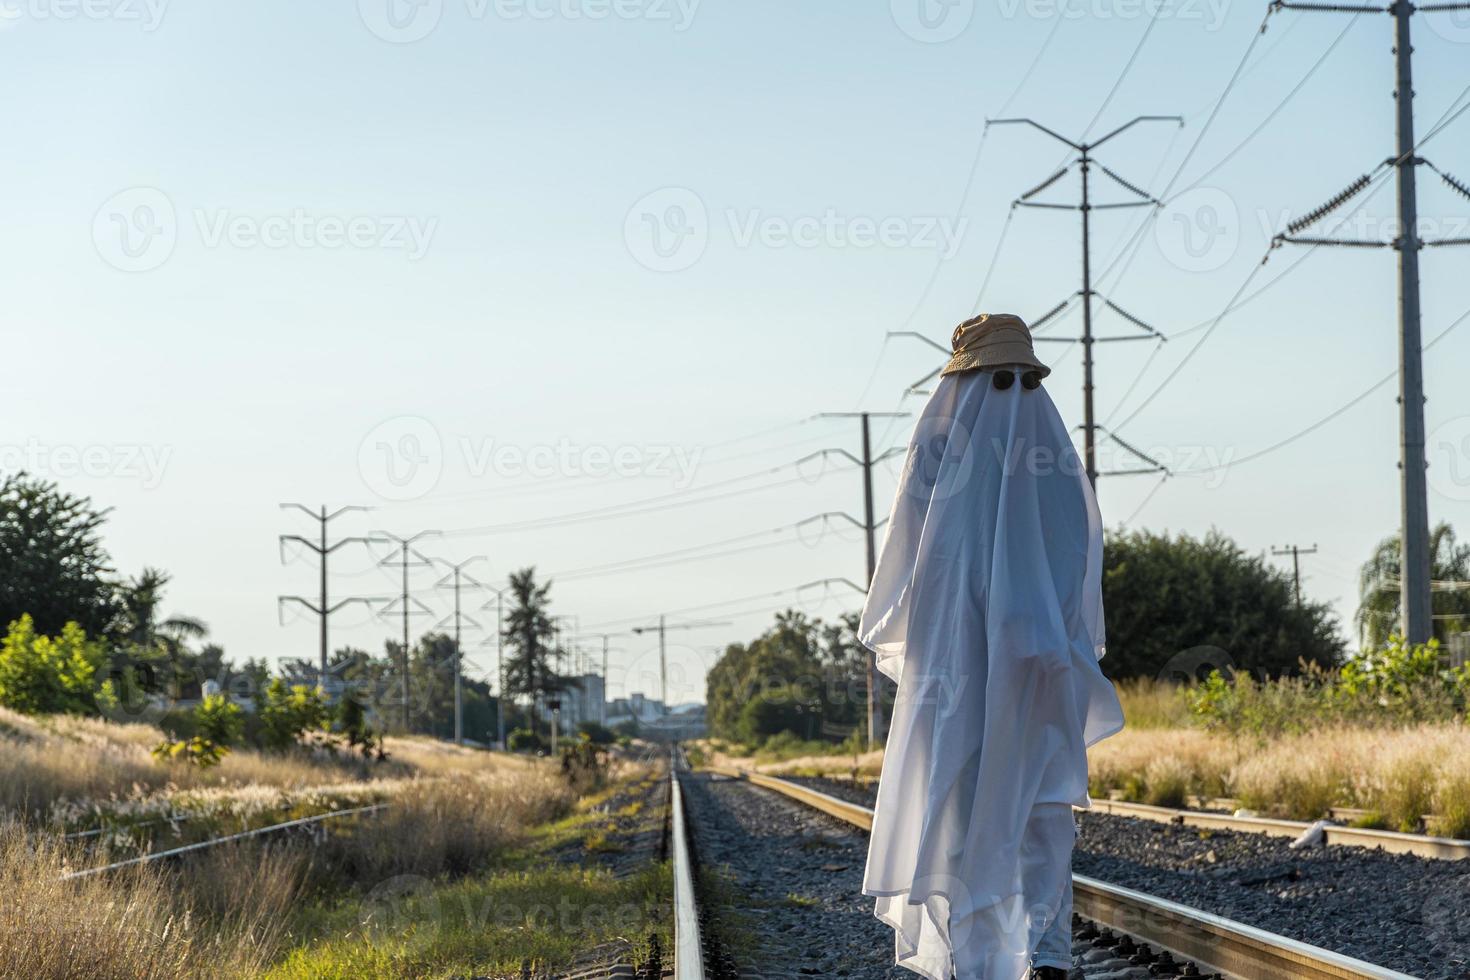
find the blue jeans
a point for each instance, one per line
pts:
(1055, 947)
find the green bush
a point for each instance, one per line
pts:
(597, 734)
(217, 724)
(287, 714)
(45, 674)
(524, 740)
(352, 724)
(1397, 685)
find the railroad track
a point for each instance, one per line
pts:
(1123, 929)
(688, 938)
(1220, 814)
(1394, 842)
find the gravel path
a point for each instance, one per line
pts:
(1408, 913)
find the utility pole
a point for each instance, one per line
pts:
(606, 640)
(405, 546)
(499, 664)
(870, 529)
(323, 550)
(453, 580)
(1296, 565)
(1414, 596)
(663, 629)
(1086, 161)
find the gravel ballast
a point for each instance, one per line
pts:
(785, 884)
(1408, 913)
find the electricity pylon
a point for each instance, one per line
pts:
(323, 550)
(1414, 596)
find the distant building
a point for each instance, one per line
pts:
(656, 720)
(586, 701)
(635, 708)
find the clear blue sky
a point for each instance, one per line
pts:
(247, 247)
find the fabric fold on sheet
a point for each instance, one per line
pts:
(986, 609)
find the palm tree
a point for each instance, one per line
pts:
(150, 636)
(529, 634)
(1378, 609)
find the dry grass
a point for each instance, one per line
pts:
(79, 772)
(1149, 704)
(1400, 775)
(451, 824)
(868, 764)
(56, 761)
(228, 911)
(136, 925)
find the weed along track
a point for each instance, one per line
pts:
(626, 835)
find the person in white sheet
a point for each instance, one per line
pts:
(986, 609)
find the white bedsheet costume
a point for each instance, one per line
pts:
(987, 610)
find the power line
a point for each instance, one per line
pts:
(979, 151)
(1153, 21)
(824, 584)
(1231, 305)
(700, 552)
(1336, 413)
(1331, 416)
(656, 504)
(1270, 116)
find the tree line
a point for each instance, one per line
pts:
(81, 637)
(1176, 606)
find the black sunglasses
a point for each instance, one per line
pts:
(1031, 380)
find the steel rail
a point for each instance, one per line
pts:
(688, 947)
(1392, 842)
(213, 841)
(1214, 943)
(1422, 845)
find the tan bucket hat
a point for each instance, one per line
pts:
(993, 340)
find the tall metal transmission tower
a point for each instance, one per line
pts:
(323, 550)
(499, 605)
(408, 558)
(1414, 597)
(455, 580)
(1085, 162)
(869, 527)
